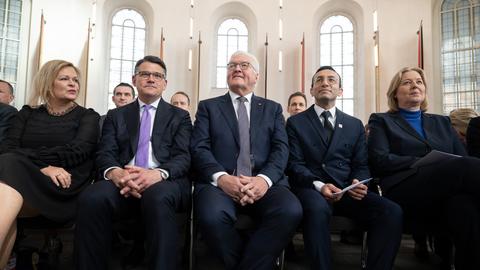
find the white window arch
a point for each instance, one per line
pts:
(10, 22)
(232, 35)
(460, 28)
(127, 45)
(337, 50)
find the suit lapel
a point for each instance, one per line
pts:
(226, 108)
(256, 113)
(162, 116)
(132, 118)
(428, 126)
(402, 123)
(315, 121)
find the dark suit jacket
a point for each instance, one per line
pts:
(473, 137)
(393, 145)
(170, 139)
(312, 159)
(7, 113)
(215, 139)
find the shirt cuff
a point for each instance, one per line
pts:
(215, 177)
(267, 179)
(107, 170)
(163, 173)
(318, 185)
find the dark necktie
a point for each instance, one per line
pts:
(141, 157)
(327, 125)
(243, 160)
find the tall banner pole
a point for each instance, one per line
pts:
(162, 44)
(40, 44)
(266, 65)
(89, 31)
(199, 65)
(302, 79)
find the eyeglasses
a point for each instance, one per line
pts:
(242, 65)
(156, 75)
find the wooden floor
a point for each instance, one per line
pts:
(345, 256)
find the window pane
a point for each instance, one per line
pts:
(10, 22)
(127, 46)
(232, 35)
(337, 50)
(460, 39)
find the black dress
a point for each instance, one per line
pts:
(38, 139)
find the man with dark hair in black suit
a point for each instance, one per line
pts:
(328, 152)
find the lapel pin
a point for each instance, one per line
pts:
(340, 125)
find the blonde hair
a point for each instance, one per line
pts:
(460, 119)
(44, 80)
(395, 83)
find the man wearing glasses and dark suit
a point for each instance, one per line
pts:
(239, 151)
(144, 158)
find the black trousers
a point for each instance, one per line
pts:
(381, 218)
(446, 196)
(101, 203)
(277, 213)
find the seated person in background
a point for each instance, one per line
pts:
(143, 158)
(239, 151)
(123, 94)
(297, 103)
(460, 119)
(473, 137)
(47, 156)
(181, 100)
(328, 152)
(7, 113)
(444, 194)
(6, 92)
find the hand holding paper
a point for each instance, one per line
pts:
(352, 186)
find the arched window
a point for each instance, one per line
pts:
(126, 47)
(232, 35)
(10, 21)
(336, 50)
(460, 54)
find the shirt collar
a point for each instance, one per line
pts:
(234, 96)
(319, 110)
(153, 104)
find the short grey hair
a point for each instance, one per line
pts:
(253, 59)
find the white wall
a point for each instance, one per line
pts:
(66, 34)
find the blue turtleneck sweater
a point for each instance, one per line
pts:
(414, 118)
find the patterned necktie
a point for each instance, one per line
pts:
(243, 161)
(327, 125)
(141, 157)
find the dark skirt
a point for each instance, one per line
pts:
(39, 191)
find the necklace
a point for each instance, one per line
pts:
(61, 113)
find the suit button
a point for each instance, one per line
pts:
(323, 165)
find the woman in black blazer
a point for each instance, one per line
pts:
(444, 194)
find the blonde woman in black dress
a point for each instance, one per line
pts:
(47, 157)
